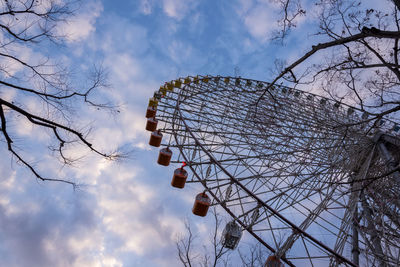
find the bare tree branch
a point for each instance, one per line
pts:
(214, 258)
(364, 34)
(31, 24)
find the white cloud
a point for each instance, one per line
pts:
(123, 36)
(8, 94)
(133, 214)
(244, 6)
(178, 9)
(9, 67)
(179, 51)
(124, 66)
(81, 25)
(42, 227)
(260, 21)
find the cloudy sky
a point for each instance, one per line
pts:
(127, 214)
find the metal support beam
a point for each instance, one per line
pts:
(313, 215)
(375, 240)
(391, 139)
(355, 251)
(389, 160)
(357, 180)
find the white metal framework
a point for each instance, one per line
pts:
(307, 177)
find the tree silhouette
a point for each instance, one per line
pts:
(38, 90)
(359, 48)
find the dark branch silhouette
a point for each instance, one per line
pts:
(33, 25)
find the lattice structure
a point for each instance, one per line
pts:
(307, 177)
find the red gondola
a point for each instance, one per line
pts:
(273, 261)
(164, 157)
(179, 178)
(151, 124)
(201, 205)
(151, 112)
(155, 138)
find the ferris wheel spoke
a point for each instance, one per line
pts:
(305, 224)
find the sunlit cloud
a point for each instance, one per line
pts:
(83, 23)
(178, 9)
(259, 19)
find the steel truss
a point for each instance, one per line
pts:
(307, 177)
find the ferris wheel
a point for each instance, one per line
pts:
(313, 180)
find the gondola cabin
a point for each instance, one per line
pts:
(164, 157)
(157, 95)
(163, 90)
(201, 205)
(179, 178)
(155, 138)
(150, 112)
(178, 83)
(151, 124)
(273, 261)
(170, 86)
(153, 102)
(231, 235)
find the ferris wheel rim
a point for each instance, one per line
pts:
(259, 201)
(220, 118)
